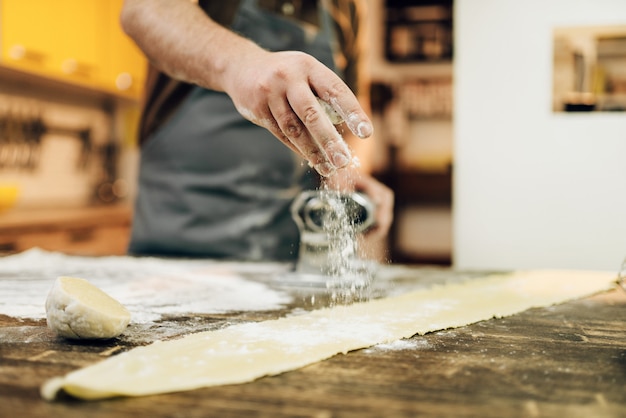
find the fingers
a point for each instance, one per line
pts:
(293, 129)
(288, 127)
(325, 150)
(335, 92)
(323, 141)
(308, 126)
(284, 98)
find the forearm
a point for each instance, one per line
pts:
(183, 41)
(275, 90)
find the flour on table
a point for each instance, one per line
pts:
(399, 345)
(150, 288)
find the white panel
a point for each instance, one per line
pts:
(533, 189)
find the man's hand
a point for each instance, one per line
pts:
(276, 90)
(280, 90)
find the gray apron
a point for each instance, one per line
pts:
(212, 184)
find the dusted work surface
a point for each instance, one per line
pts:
(568, 359)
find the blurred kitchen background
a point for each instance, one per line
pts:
(499, 124)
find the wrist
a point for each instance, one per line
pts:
(230, 55)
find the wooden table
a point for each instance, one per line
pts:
(566, 361)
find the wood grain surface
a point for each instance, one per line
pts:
(563, 361)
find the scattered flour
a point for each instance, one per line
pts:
(399, 345)
(149, 288)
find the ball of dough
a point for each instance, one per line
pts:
(77, 309)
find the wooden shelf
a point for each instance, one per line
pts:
(94, 231)
(416, 187)
(418, 31)
(15, 81)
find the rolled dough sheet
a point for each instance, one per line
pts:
(245, 352)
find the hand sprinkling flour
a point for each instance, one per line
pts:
(230, 79)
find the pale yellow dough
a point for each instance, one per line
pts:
(77, 309)
(242, 353)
